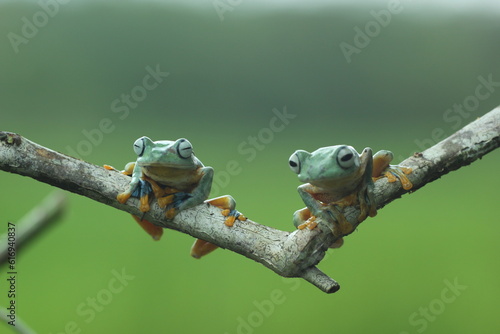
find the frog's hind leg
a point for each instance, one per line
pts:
(227, 204)
(155, 231)
(201, 248)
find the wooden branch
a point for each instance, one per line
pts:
(288, 254)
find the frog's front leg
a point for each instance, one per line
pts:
(139, 187)
(382, 167)
(331, 214)
(304, 219)
(182, 200)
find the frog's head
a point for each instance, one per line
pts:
(330, 166)
(166, 153)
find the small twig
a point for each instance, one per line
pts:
(34, 221)
(288, 254)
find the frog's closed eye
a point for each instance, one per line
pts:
(184, 148)
(139, 146)
(345, 157)
(294, 163)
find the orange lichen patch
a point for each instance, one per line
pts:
(47, 153)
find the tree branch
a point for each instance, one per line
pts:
(288, 254)
(35, 221)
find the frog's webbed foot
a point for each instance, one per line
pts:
(141, 191)
(396, 172)
(227, 204)
(155, 231)
(303, 218)
(201, 248)
(340, 224)
(174, 203)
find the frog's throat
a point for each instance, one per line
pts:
(166, 165)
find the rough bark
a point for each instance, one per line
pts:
(289, 254)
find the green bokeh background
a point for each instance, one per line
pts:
(226, 77)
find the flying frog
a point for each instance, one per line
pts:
(178, 180)
(336, 177)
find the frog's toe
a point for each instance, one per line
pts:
(231, 216)
(394, 173)
(144, 206)
(123, 197)
(165, 200)
(310, 224)
(171, 213)
(180, 198)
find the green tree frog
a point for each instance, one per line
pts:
(178, 180)
(337, 176)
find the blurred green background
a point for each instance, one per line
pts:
(60, 78)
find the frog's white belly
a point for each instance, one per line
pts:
(181, 179)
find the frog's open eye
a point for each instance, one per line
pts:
(139, 146)
(345, 157)
(294, 163)
(184, 148)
